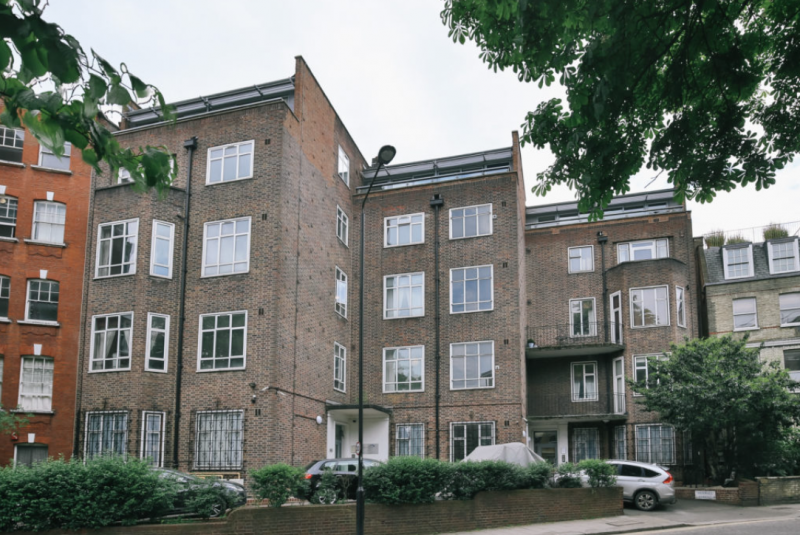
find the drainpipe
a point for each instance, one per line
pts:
(437, 202)
(190, 145)
(602, 239)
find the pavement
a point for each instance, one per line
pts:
(685, 513)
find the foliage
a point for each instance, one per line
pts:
(469, 478)
(538, 475)
(405, 480)
(707, 91)
(59, 494)
(736, 405)
(10, 422)
(774, 231)
(715, 238)
(207, 500)
(733, 239)
(784, 456)
(279, 482)
(601, 474)
(328, 490)
(568, 476)
(50, 86)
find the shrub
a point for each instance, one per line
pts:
(715, 238)
(601, 474)
(278, 482)
(538, 475)
(733, 239)
(207, 501)
(469, 478)
(59, 494)
(405, 480)
(329, 489)
(568, 476)
(774, 231)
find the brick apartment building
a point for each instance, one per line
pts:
(44, 206)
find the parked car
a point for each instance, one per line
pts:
(643, 484)
(346, 472)
(230, 494)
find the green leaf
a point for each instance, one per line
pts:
(139, 87)
(5, 55)
(118, 95)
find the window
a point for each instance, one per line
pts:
(642, 250)
(161, 249)
(339, 367)
(29, 454)
(471, 289)
(404, 230)
(230, 162)
(341, 293)
(584, 381)
(649, 307)
(116, 252)
(11, 141)
(655, 444)
(586, 444)
(738, 262)
(641, 370)
(42, 301)
(226, 247)
(153, 437)
(466, 436)
(745, 315)
(471, 221)
(472, 365)
(223, 341)
(219, 440)
(36, 384)
(582, 317)
(791, 361)
(124, 176)
(410, 440)
(344, 166)
(790, 309)
(581, 259)
(342, 225)
(156, 358)
(106, 434)
(111, 342)
(680, 299)
(404, 295)
(5, 296)
(403, 369)
(48, 221)
(620, 443)
(8, 216)
(783, 257)
(51, 161)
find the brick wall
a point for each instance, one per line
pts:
(746, 494)
(775, 490)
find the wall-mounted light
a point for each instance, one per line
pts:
(319, 420)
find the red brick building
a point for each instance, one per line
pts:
(44, 205)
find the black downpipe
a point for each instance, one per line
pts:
(437, 202)
(190, 145)
(602, 239)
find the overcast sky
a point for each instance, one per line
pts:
(388, 66)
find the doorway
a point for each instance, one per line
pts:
(616, 317)
(545, 443)
(339, 441)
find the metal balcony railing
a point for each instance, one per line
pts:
(575, 334)
(555, 405)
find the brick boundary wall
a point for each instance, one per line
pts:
(487, 510)
(778, 490)
(746, 494)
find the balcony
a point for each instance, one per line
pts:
(605, 406)
(574, 340)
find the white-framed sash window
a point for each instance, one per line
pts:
(162, 248)
(231, 162)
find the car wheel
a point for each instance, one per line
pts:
(326, 497)
(217, 508)
(645, 500)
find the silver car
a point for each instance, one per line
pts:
(645, 485)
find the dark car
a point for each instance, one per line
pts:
(230, 494)
(346, 472)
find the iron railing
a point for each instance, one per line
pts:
(555, 405)
(586, 333)
(756, 234)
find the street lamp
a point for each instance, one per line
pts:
(385, 155)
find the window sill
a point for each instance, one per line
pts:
(472, 311)
(45, 243)
(648, 326)
(110, 371)
(229, 181)
(52, 170)
(789, 325)
(471, 237)
(587, 400)
(11, 240)
(5, 320)
(24, 411)
(748, 329)
(405, 317)
(12, 164)
(115, 276)
(403, 245)
(580, 272)
(225, 274)
(38, 322)
(222, 370)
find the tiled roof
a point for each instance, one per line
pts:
(716, 272)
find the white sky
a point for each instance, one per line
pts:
(388, 66)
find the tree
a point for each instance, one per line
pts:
(739, 409)
(10, 422)
(706, 90)
(56, 91)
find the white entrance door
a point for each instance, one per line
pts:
(616, 317)
(339, 441)
(619, 385)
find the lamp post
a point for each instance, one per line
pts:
(385, 155)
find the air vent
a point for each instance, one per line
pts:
(266, 141)
(263, 217)
(505, 264)
(260, 311)
(506, 423)
(258, 412)
(503, 203)
(505, 341)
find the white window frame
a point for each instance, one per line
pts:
(161, 433)
(575, 395)
(86, 433)
(171, 245)
(340, 306)
(12, 135)
(410, 287)
(124, 176)
(408, 440)
(340, 358)
(233, 261)
(35, 226)
(48, 397)
(343, 166)
(342, 226)
(477, 225)
(92, 358)
(588, 432)
(28, 301)
(5, 291)
(132, 263)
(794, 374)
(491, 268)
(230, 328)
(780, 310)
(655, 248)
(680, 306)
(67, 156)
(150, 331)
(592, 321)
(196, 464)
(646, 359)
(6, 209)
(409, 359)
(754, 313)
(402, 220)
(479, 378)
(452, 435)
(238, 144)
(650, 451)
(725, 263)
(796, 255)
(616, 442)
(666, 299)
(580, 258)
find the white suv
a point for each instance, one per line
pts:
(643, 484)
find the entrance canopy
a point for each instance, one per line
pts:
(515, 453)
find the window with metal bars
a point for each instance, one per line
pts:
(219, 440)
(153, 437)
(411, 440)
(586, 444)
(106, 434)
(620, 443)
(655, 444)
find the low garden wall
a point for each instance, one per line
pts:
(745, 494)
(777, 490)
